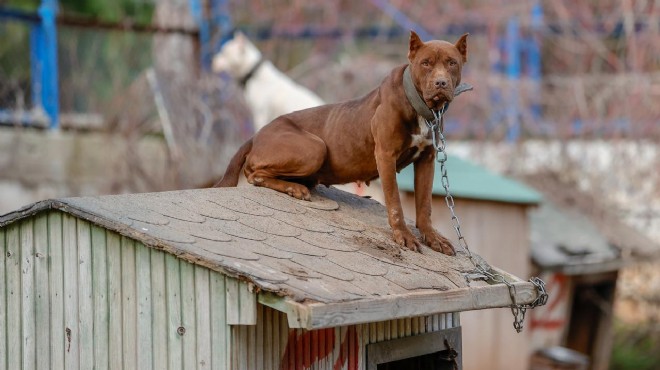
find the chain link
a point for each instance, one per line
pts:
(480, 271)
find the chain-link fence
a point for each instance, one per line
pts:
(596, 74)
(131, 68)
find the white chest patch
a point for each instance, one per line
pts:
(421, 140)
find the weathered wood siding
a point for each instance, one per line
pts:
(75, 296)
(500, 233)
(271, 345)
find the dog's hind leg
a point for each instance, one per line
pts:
(281, 158)
(295, 190)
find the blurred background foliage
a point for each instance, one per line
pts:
(636, 347)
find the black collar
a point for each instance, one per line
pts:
(243, 80)
(413, 97)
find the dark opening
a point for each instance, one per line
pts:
(589, 311)
(439, 350)
(433, 361)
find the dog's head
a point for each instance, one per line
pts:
(436, 68)
(237, 56)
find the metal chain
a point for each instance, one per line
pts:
(480, 271)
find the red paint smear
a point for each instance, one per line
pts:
(547, 324)
(330, 341)
(561, 280)
(305, 349)
(560, 283)
(353, 348)
(299, 350)
(315, 344)
(297, 354)
(347, 351)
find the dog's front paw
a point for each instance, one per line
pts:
(437, 242)
(299, 191)
(406, 239)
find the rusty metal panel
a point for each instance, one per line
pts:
(272, 345)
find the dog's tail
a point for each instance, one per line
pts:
(232, 172)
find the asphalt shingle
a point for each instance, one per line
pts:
(336, 248)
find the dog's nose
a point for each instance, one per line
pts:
(441, 83)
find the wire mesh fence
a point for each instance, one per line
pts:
(15, 90)
(598, 69)
(136, 74)
(597, 76)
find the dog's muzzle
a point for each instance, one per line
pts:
(438, 97)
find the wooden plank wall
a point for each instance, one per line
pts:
(75, 296)
(271, 345)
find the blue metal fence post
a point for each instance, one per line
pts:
(217, 24)
(43, 62)
(221, 22)
(513, 74)
(197, 12)
(534, 58)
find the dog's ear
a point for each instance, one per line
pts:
(461, 45)
(415, 44)
(241, 41)
(240, 37)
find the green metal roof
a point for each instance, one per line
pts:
(468, 180)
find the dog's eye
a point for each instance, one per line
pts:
(425, 63)
(453, 63)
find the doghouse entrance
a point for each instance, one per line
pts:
(591, 319)
(432, 361)
(431, 351)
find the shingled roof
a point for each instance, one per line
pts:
(574, 233)
(314, 260)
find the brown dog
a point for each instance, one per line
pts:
(363, 139)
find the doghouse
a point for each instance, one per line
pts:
(579, 247)
(240, 278)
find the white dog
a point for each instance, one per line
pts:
(269, 92)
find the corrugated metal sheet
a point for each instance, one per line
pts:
(75, 296)
(271, 345)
